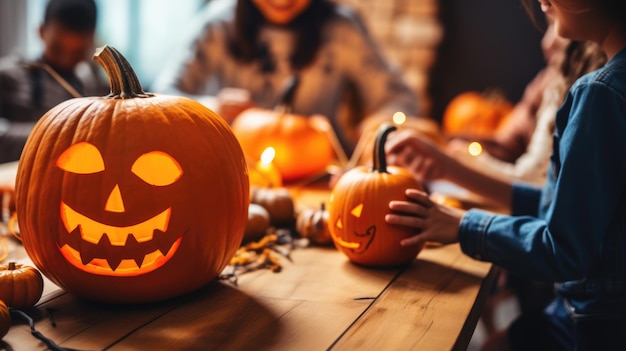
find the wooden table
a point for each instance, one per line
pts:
(319, 301)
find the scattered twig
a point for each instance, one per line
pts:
(262, 254)
(17, 314)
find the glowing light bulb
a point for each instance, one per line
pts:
(399, 118)
(475, 148)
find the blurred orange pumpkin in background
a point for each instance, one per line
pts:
(301, 148)
(475, 115)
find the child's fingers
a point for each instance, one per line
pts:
(403, 220)
(408, 208)
(418, 196)
(414, 240)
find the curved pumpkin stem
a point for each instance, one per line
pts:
(380, 159)
(285, 104)
(123, 81)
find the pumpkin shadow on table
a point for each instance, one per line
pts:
(217, 316)
(421, 274)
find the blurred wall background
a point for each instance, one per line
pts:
(447, 47)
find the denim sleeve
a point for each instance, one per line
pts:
(584, 203)
(525, 200)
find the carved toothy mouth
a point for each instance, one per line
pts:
(357, 247)
(118, 251)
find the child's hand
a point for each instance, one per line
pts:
(231, 102)
(423, 159)
(432, 222)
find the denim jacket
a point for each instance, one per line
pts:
(573, 230)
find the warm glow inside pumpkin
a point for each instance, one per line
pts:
(155, 168)
(132, 197)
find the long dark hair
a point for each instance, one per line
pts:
(614, 8)
(243, 42)
(581, 58)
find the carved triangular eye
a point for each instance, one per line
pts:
(356, 211)
(81, 158)
(157, 168)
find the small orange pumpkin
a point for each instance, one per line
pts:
(358, 205)
(20, 286)
(5, 319)
(313, 224)
(258, 222)
(277, 201)
(476, 115)
(301, 148)
(132, 197)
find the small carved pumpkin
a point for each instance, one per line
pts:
(301, 148)
(5, 319)
(358, 205)
(313, 224)
(20, 286)
(132, 197)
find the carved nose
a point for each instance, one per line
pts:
(115, 202)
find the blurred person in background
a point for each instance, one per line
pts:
(63, 70)
(521, 146)
(255, 46)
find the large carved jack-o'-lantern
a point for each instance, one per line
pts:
(357, 209)
(132, 197)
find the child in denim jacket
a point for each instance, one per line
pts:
(572, 231)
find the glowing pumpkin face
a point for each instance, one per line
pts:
(131, 200)
(363, 240)
(357, 209)
(102, 248)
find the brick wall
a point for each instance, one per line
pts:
(409, 33)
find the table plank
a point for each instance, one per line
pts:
(426, 307)
(306, 306)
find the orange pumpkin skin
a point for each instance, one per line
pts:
(302, 149)
(357, 208)
(20, 286)
(5, 319)
(473, 114)
(170, 190)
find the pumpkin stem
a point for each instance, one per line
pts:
(12, 266)
(285, 103)
(123, 81)
(380, 159)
